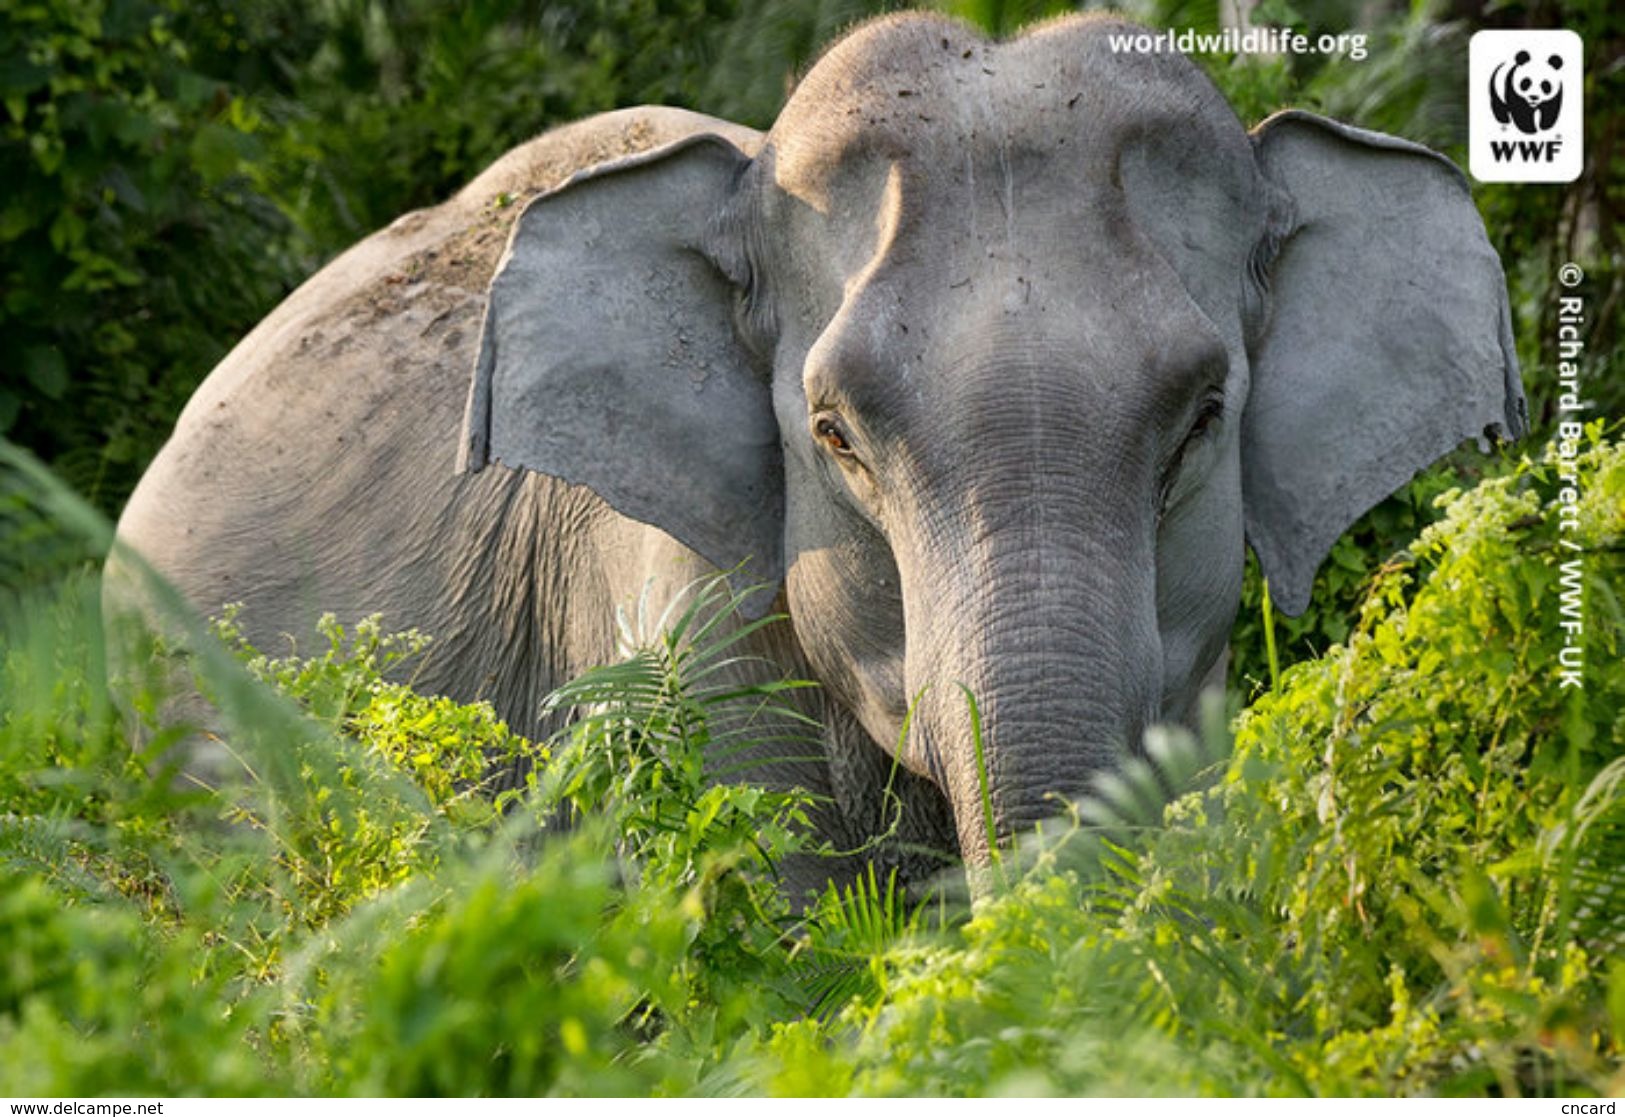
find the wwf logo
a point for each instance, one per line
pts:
(1529, 94)
(1526, 95)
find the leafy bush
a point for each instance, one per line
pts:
(344, 834)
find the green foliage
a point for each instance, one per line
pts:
(660, 727)
(131, 253)
(509, 977)
(1403, 879)
(95, 1002)
(1003, 17)
(342, 835)
(377, 108)
(843, 958)
(1341, 584)
(653, 736)
(452, 751)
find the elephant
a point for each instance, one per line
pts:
(989, 358)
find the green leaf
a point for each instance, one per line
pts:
(46, 370)
(215, 152)
(15, 220)
(67, 231)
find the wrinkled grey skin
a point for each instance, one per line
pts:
(994, 354)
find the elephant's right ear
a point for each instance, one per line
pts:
(609, 357)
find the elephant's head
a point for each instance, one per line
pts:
(996, 353)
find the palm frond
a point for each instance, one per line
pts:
(850, 932)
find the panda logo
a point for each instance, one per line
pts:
(1530, 96)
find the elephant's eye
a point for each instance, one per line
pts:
(829, 430)
(1211, 411)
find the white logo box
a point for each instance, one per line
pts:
(1525, 106)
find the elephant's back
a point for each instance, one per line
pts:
(455, 246)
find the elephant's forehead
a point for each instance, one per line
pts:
(927, 92)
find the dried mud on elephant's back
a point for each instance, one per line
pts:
(466, 258)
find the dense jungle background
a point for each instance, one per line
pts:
(1395, 863)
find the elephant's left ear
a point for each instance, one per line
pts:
(609, 357)
(1388, 340)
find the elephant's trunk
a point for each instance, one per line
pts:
(1048, 620)
(1056, 705)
